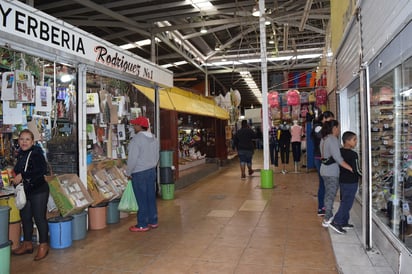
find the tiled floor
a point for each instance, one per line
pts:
(221, 224)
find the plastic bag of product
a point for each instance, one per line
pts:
(128, 201)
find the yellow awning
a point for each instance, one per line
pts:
(185, 101)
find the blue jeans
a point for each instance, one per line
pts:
(348, 192)
(144, 187)
(321, 188)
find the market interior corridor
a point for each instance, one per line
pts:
(220, 224)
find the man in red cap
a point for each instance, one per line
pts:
(143, 155)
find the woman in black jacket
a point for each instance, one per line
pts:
(30, 169)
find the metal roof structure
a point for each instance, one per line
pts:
(231, 44)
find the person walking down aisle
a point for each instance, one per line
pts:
(316, 137)
(329, 169)
(245, 148)
(348, 182)
(30, 169)
(143, 155)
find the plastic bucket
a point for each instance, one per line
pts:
(97, 217)
(4, 224)
(14, 234)
(14, 212)
(166, 158)
(168, 191)
(60, 229)
(113, 213)
(5, 257)
(79, 226)
(166, 175)
(266, 178)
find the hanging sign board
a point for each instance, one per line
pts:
(34, 26)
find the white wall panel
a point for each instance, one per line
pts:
(381, 21)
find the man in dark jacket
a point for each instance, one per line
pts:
(244, 144)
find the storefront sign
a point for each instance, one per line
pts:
(36, 26)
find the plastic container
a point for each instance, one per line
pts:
(97, 216)
(60, 229)
(166, 175)
(4, 224)
(166, 158)
(168, 191)
(14, 212)
(5, 253)
(79, 226)
(124, 214)
(113, 213)
(14, 234)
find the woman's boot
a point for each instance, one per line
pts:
(26, 247)
(42, 251)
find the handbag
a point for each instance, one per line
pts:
(128, 201)
(20, 195)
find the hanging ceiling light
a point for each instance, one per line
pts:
(255, 11)
(203, 30)
(217, 47)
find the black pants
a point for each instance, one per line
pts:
(296, 151)
(36, 207)
(284, 152)
(274, 153)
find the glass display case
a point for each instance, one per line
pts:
(391, 138)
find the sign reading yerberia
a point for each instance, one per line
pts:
(20, 20)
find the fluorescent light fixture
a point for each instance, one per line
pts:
(247, 77)
(267, 23)
(174, 64)
(271, 41)
(140, 43)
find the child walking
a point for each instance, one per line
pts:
(348, 182)
(329, 170)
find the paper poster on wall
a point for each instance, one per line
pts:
(43, 99)
(121, 132)
(7, 86)
(92, 103)
(24, 86)
(12, 113)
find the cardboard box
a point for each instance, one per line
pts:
(99, 190)
(69, 194)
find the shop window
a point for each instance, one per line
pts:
(391, 124)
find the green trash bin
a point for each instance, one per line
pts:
(266, 177)
(166, 158)
(168, 191)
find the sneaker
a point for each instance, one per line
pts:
(251, 171)
(138, 229)
(326, 223)
(321, 212)
(153, 225)
(348, 226)
(337, 228)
